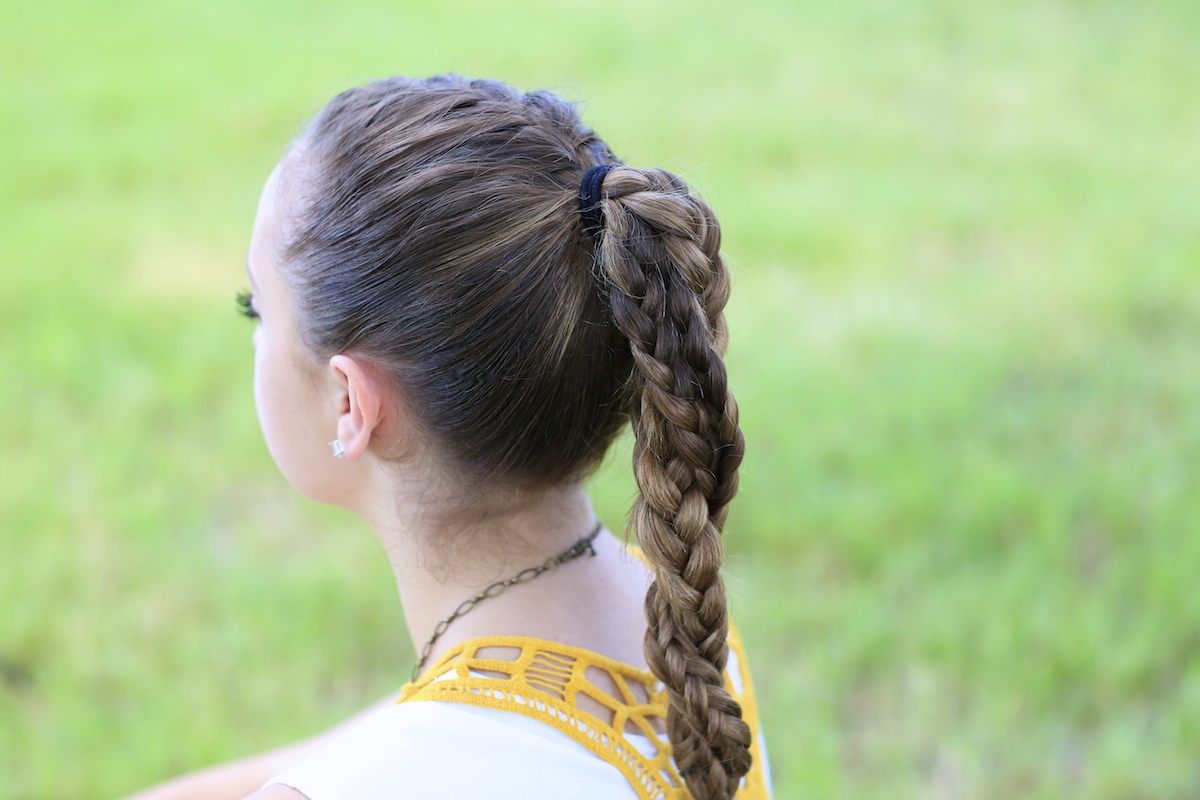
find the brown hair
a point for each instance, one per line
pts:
(441, 237)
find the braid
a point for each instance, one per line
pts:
(659, 250)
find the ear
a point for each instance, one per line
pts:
(360, 402)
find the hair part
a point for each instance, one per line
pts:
(439, 235)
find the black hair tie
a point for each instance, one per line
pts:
(589, 199)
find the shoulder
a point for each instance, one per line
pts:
(277, 791)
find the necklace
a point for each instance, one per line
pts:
(584, 545)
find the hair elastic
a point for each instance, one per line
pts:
(589, 199)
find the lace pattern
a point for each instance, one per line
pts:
(613, 709)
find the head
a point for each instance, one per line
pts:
(425, 240)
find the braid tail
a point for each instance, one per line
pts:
(660, 250)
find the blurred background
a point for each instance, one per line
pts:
(965, 323)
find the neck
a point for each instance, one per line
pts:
(442, 555)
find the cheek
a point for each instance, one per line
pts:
(286, 413)
(263, 395)
(267, 396)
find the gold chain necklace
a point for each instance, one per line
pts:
(584, 545)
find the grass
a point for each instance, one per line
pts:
(965, 324)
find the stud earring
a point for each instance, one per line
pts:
(338, 450)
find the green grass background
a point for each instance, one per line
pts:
(964, 339)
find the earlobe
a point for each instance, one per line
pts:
(360, 403)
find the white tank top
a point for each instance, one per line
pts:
(450, 751)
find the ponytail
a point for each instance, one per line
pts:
(659, 251)
(438, 239)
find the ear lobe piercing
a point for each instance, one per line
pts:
(338, 450)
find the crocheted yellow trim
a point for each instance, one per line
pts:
(544, 681)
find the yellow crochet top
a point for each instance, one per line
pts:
(593, 699)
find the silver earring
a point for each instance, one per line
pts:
(338, 450)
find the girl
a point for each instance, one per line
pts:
(461, 296)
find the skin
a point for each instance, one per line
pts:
(446, 542)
